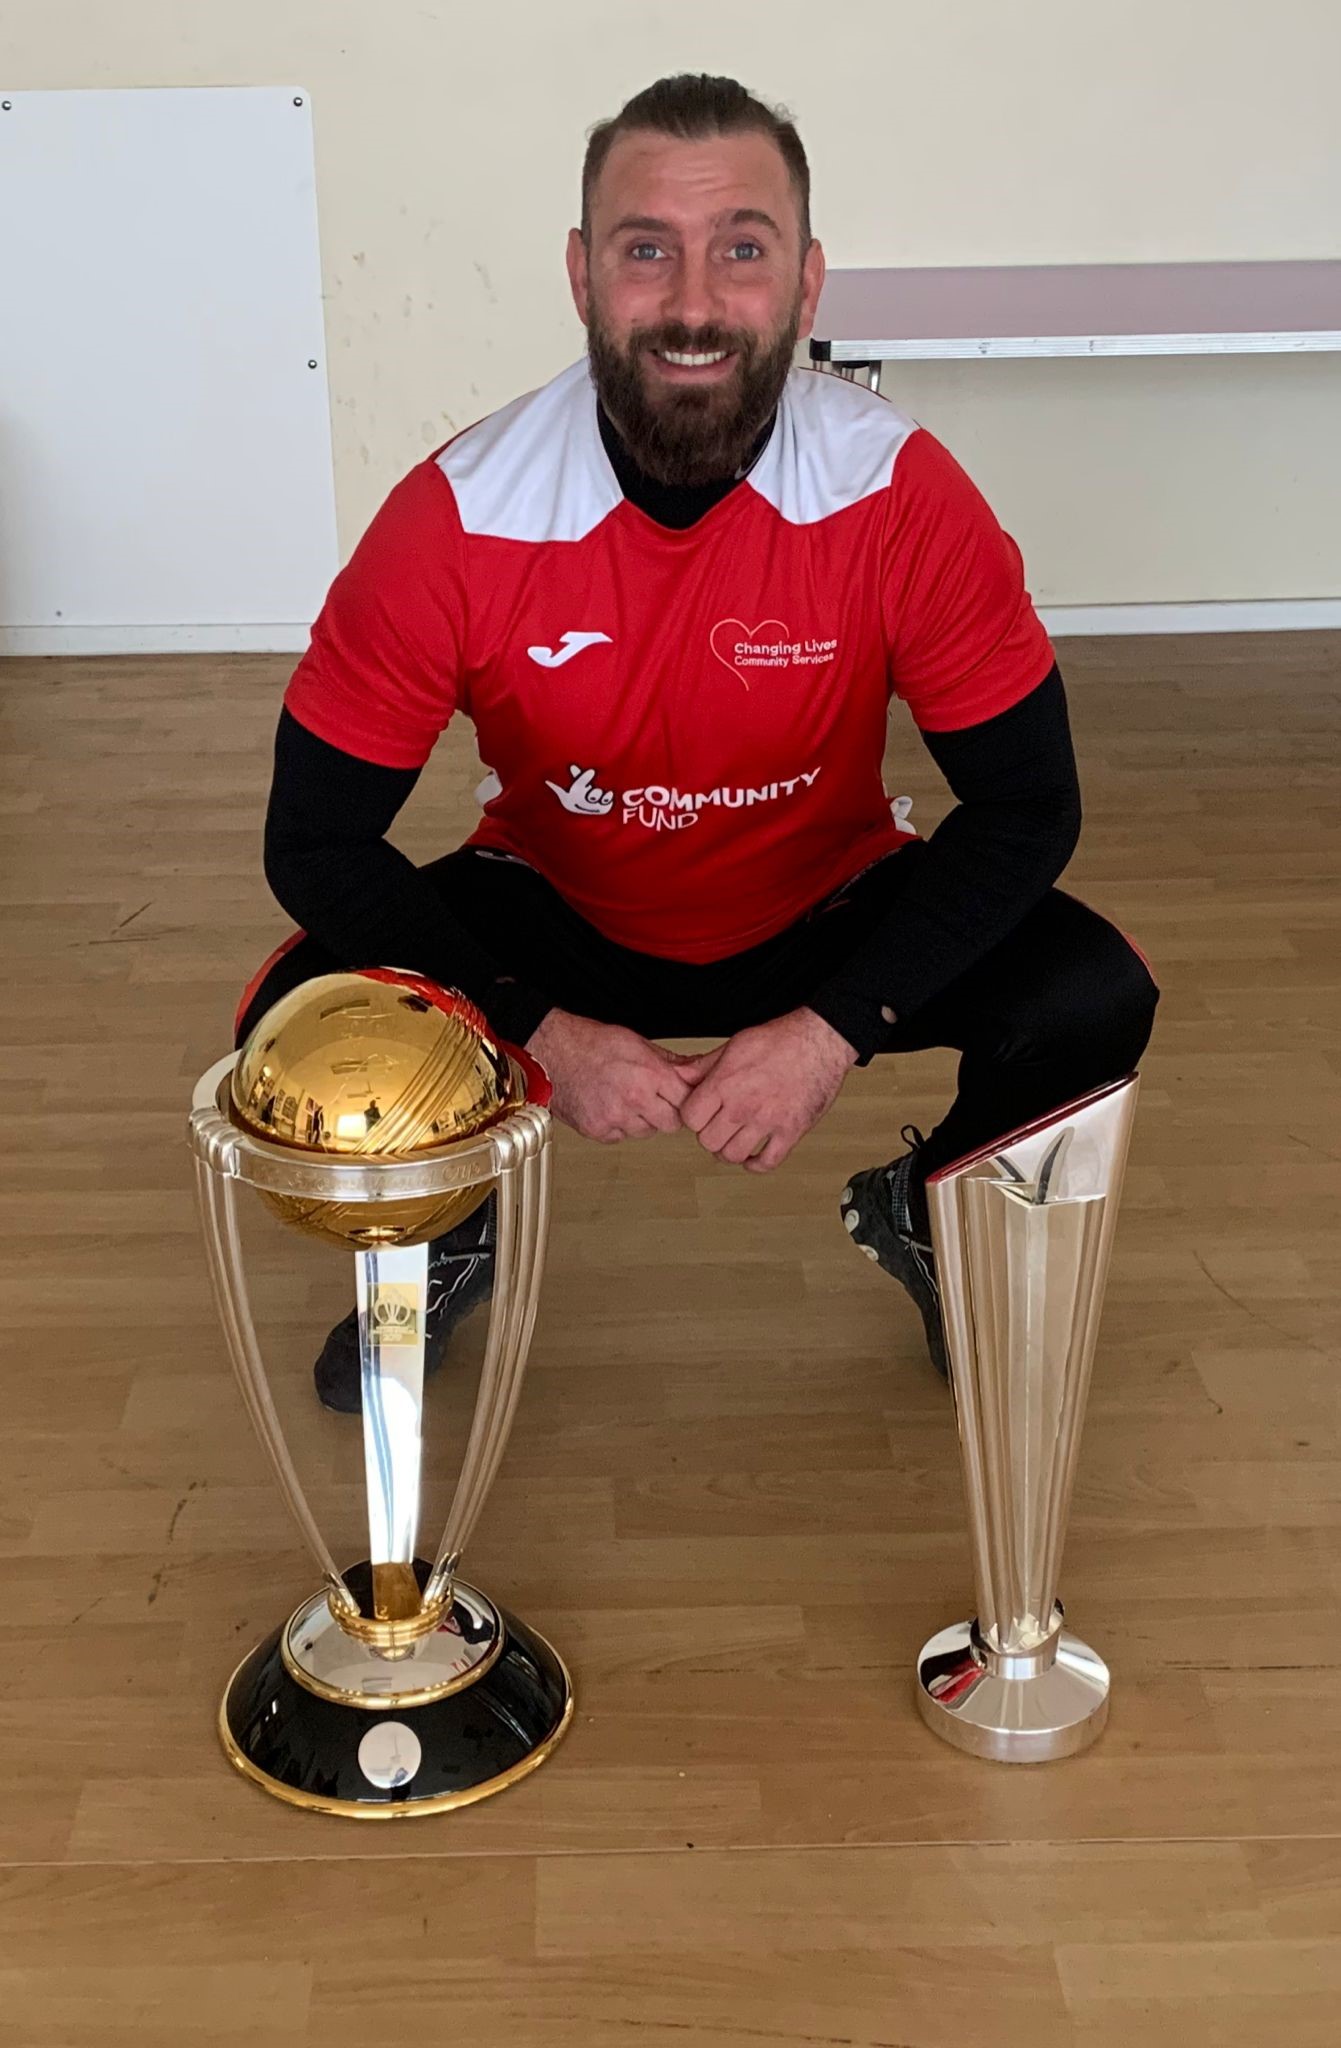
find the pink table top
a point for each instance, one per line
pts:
(1080, 309)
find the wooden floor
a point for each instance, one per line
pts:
(733, 1495)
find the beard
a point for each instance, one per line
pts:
(683, 436)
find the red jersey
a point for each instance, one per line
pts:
(684, 728)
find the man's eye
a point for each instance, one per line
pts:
(641, 250)
(747, 249)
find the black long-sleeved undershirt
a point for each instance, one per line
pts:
(330, 864)
(990, 859)
(996, 854)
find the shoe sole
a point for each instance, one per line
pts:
(867, 1225)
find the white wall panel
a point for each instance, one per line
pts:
(165, 446)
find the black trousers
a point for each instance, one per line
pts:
(1061, 1005)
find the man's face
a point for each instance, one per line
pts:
(695, 252)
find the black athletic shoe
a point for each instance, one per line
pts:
(876, 1215)
(460, 1277)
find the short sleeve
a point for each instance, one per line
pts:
(964, 640)
(379, 679)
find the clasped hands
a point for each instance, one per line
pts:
(748, 1101)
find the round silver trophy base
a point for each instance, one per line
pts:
(1014, 1709)
(322, 1722)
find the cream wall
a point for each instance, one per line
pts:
(449, 139)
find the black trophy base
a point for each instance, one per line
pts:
(404, 1758)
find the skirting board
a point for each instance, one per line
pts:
(1064, 621)
(1264, 615)
(281, 638)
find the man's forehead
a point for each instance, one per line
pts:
(713, 177)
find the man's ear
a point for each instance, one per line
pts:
(576, 259)
(812, 283)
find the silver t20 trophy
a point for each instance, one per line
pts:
(1022, 1232)
(376, 1111)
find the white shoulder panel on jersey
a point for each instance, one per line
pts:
(835, 443)
(535, 470)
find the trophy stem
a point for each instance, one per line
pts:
(1022, 1233)
(392, 1290)
(218, 1212)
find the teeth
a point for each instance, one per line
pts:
(692, 362)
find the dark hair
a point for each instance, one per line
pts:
(692, 105)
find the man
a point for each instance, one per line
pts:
(674, 590)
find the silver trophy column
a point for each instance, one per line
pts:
(1022, 1232)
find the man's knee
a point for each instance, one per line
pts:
(296, 960)
(1095, 1012)
(1131, 998)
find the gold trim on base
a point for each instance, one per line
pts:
(409, 1696)
(391, 1632)
(395, 1594)
(406, 1809)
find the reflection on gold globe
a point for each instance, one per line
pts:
(379, 1064)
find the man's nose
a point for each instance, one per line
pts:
(694, 295)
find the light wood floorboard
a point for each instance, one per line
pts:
(733, 1496)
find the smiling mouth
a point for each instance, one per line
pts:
(685, 361)
(693, 359)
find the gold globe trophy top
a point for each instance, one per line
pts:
(377, 1064)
